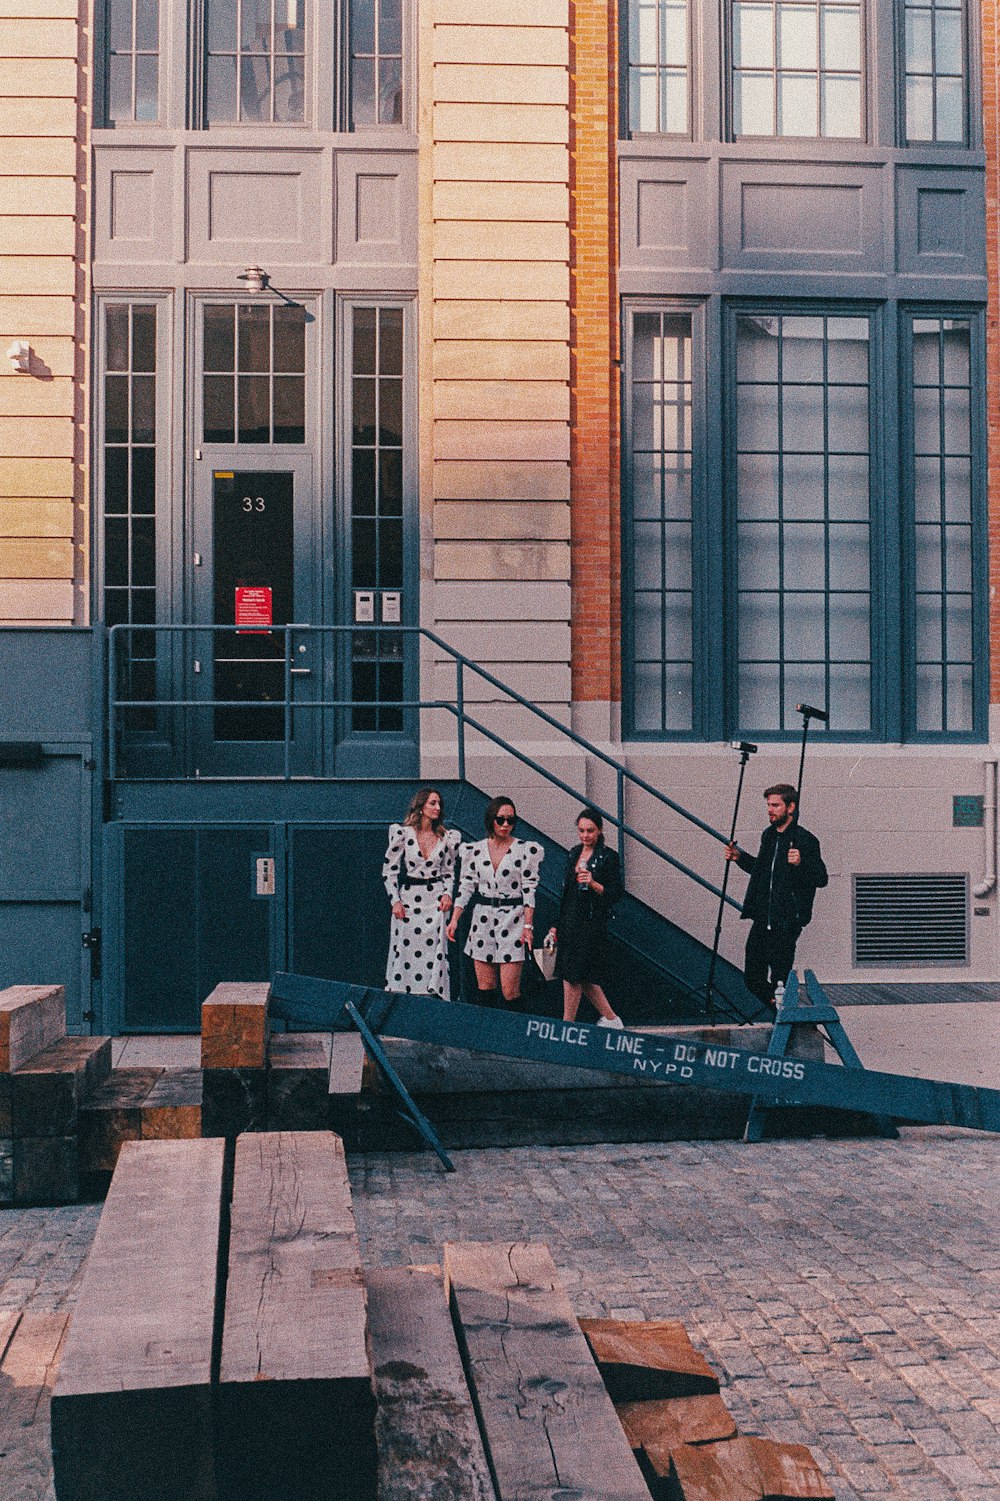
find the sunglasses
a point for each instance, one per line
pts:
(505, 818)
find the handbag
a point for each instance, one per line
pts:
(545, 958)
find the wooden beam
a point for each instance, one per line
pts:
(658, 1427)
(429, 1445)
(31, 1017)
(132, 1410)
(640, 1361)
(549, 1424)
(234, 1026)
(296, 1407)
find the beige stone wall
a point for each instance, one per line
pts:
(43, 130)
(495, 331)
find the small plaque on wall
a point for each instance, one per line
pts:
(967, 810)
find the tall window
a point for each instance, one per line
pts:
(132, 57)
(377, 510)
(660, 394)
(658, 66)
(376, 62)
(934, 67)
(822, 567)
(129, 520)
(942, 524)
(803, 521)
(797, 68)
(254, 381)
(255, 61)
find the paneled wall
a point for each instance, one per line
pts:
(495, 361)
(43, 132)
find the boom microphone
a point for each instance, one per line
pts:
(811, 713)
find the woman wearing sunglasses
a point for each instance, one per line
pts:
(501, 872)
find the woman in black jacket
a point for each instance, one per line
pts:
(592, 885)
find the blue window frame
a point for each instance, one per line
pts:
(657, 79)
(935, 72)
(842, 560)
(946, 527)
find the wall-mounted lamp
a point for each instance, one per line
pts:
(256, 279)
(19, 355)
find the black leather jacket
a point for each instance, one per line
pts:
(779, 894)
(605, 868)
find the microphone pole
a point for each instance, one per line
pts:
(746, 750)
(808, 712)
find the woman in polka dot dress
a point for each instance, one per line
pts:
(419, 871)
(501, 872)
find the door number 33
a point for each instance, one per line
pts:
(253, 503)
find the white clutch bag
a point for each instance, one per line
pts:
(545, 958)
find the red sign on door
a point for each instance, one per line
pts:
(253, 608)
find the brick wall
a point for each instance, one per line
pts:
(596, 553)
(43, 131)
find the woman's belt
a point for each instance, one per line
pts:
(499, 901)
(423, 881)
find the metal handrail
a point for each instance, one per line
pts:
(457, 708)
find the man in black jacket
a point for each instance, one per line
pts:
(785, 875)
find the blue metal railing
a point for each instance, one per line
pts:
(120, 658)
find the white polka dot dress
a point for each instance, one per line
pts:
(496, 935)
(418, 946)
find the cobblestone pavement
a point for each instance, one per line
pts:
(847, 1293)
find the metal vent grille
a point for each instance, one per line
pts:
(911, 919)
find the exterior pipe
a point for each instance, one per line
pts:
(989, 881)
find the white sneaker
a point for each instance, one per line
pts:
(614, 1022)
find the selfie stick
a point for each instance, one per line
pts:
(746, 750)
(808, 712)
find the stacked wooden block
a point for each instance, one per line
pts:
(45, 1079)
(667, 1398)
(266, 1274)
(136, 1104)
(252, 1081)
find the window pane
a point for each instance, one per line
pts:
(807, 573)
(797, 105)
(146, 88)
(942, 576)
(658, 72)
(220, 89)
(147, 24)
(661, 564)
(120, 25)
(797, 39)
(255, 61)
(376, 62)
(129, 502)
(797, 68)
(753, 104)
(934, 65)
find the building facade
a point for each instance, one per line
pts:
(636, 355)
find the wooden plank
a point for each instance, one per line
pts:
(296, 1406)
(639, 1361)
(27, 1372)
(48, 1091)
(788, 1472)
(31, 1017)
(345, 1085)
(659, 1426)
(716, 1472)
(548, 1422)
(429, 1445)
(138, 1361)
(234, 1026)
